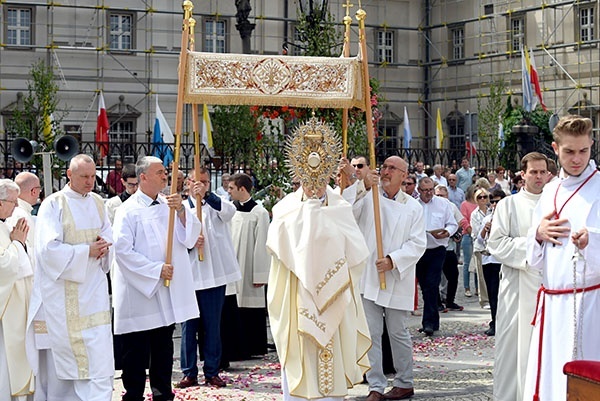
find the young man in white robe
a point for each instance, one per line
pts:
(70, 310)
(404, 242)
(563, 243)
(16, 273)
(146, 309)
(211, 275)
(519, 283)
(249, 228)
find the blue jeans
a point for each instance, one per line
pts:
(210, 303)
(467, 247)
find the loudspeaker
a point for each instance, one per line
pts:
(66, 147)
(22, 149)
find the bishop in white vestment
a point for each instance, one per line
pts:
(317, 318)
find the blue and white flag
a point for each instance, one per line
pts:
(162, 136)
(407, 133)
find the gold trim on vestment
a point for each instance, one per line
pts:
(74, 321)
(325, 369)
(250, 79)
(40, 327)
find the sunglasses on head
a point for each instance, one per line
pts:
(482, 197)
(358, 165)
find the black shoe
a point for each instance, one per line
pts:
(427, 330)
(455, 307)
(490, 332)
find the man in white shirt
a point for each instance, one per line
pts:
(437, 176)
(419, 170)
(146, 308)
(440, 226)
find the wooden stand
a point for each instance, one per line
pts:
(583, 380)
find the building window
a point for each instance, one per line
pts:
(458, 43)
(517, 33)
(19, 26)
(587, 22)
(385, 46)
(122, 136)
(215, 32)
(121, 27)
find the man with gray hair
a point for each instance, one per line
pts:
(437, 176)
(16, 382)
(29, 193)
(147, 308)
(69, 318)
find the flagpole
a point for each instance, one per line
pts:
(195, 128)
(360, 16)
(187, 12)
(347, 23)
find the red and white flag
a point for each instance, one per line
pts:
(102, 127)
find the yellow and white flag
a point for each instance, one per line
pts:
(207, 132)
(439, 132)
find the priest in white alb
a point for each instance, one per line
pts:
(519, 283)
(69, 318)
(16, 375)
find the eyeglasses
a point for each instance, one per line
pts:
(132, 184)
(14, 202)
(426, 189)
(393, 168)
(482, 197)
(358, 165)
(494, 200)
(408, 183)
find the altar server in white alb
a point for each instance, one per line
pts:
(16, 376)
(146, 310)
(249, 228)
(563, 243)
(519, 283)
(70, 309)
(318, 254)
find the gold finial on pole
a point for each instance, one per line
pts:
(192, 37)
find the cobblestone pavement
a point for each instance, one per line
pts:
(455, 364)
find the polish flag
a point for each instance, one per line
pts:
(102, 127)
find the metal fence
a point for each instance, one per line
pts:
(130, 152)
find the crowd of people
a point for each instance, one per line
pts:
(93, 284)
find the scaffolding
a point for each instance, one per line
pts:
(434, 64)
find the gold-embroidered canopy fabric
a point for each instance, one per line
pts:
(320, 82)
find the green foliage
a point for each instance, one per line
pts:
(489, 116)
(318, 34)
(39, 104)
